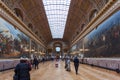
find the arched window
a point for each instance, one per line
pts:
(77, 32)
(30, 26)
(40, 37)
(57, 49)
(82, 26)
(18, 13)
(93, 14)
(36, 32)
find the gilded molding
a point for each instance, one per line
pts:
(108, 10)
(9, 16)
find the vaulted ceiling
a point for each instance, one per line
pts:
(34, 10)
(79, 15)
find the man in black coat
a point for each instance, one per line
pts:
(76, 64)
(36, 62)
(22, 70)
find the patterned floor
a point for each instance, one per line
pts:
(48, 71)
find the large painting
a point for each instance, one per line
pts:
(13, 42)
(104, 41)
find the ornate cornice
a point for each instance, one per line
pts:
(111, 7)
(9, 16)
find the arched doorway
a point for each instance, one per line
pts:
(57, 49)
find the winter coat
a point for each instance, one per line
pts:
(22, 71)
(35, 61)
(76, 61)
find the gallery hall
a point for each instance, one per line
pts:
(59, 39)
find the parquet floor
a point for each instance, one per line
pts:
(48, 71)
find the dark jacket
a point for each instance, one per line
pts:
(76, 61)
(35, 61)
(22, 71)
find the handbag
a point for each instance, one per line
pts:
(15, 77)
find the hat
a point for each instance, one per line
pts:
(22, 58)
(26, 58)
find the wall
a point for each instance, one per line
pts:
(13, 42)
(104, 41)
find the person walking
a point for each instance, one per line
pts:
(66, 62)
(36, 62)
(68, 65)
(43, 60)
(76, 64)
(22, 70)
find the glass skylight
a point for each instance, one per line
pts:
(57, 11)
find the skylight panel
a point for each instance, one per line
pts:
(57, 11)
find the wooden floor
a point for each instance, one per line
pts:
(48, 71)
